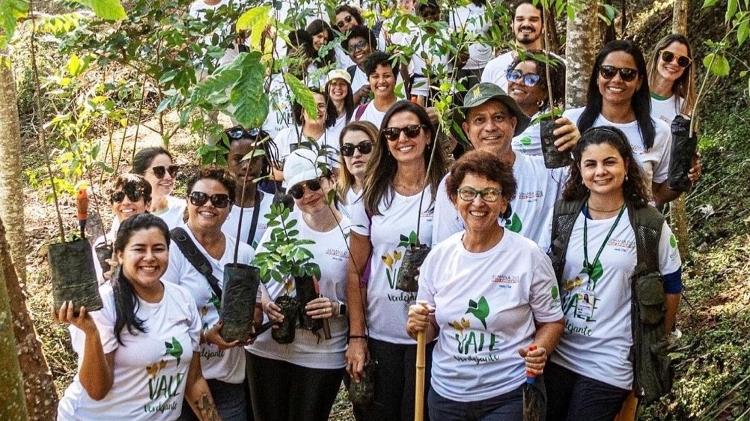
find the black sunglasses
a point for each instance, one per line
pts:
(682, 61)
(132, 194)
(346, 20)
(529, 79)
(347, 149)
(239, 132)
(298, 190)
(161, 170)
(219, 200)
(626, 74)
(411, 131)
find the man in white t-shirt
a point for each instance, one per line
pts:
(528, 28)
(491, 120)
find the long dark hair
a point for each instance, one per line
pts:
(126, 301)
(143, 159)
(348, 101)
(381, 169)
(314, 28)
(640, 102)
(633, 188)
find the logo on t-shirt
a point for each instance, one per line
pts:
(174, 349)
(514, 223)
(471, 342)
(165, 386)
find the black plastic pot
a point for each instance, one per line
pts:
(305, 288)
(284, 333)
(73, 275)
(103, 255)
(684, 145)
(408, 275)
(552, 157)
(238, 301)
(363, 393)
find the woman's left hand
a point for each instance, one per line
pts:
(535, 360)
(320, 308)
(566, 134)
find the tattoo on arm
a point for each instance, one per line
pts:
(207, 409)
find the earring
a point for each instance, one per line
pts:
(626, 177)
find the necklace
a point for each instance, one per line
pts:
(604, 210)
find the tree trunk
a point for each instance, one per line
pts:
(40, 389)
(677, 208)
(550, 25)
(581, 47)
(12, 403)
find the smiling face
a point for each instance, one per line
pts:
(314, 201)
(358, 49)
(672, 71)
(345, 21)
(357, 163)
(319, 40)
(407, 149)
(526, 96)
(337, 90)
(160, 187)
(603, 169)
(382, 81)
(477, 214)
(127, 208)
(144, 258)
(239, 169)
(320, 103)
(490, 127)
(527, 24)
(616, 91)
(207, 217)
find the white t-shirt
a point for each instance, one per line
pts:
(230, 225)
(655, 161)
(280, 110)
(428, 46)
(387, 307)
(471, 19)
(529, 142)
(228, 365)
(174, 212)
(666, 109)
(330, 252)
(359, 80)
(150, 368)
(532, 206)
(287, 141)
(349, 200)
(372, 114)
(497, 69)
(342, 58)
(485, 306)
(598, 336)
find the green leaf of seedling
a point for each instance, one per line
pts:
(709, 3)
(301, 94)
(291, 224)
(105, 9)
(253, 154)
(255, 22)
(293, 233)
(248, 96)
(743, 31)
(716, 64)
(413, 240)
(732, 6)
(331, 197)
(10, 12)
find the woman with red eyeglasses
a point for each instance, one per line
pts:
(619, 96)
(210, 198)
(355, 145)
(157, 166)
(397, 203)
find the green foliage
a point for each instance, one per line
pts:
(10, 12)
(409, 241)
(284, 255)
(105, 9)
(301, 94)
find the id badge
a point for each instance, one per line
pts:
(585, 305)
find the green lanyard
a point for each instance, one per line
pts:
(594, 270)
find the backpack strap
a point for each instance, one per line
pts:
(195, 257)
(563, 220)
(360, 110)
(256, 214)
(351, 70)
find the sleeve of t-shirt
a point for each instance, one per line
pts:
(426, 290)
(105, 319)
(664, 141)
(544, 296)
(446, 220)
(174, 268)
(360, 221)
(669, 254)
(488, 74)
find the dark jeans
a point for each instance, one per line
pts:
(229, 399)
(505, 407)
(572, 396)
(282, 391)
(394, 382)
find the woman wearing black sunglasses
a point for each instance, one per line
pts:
(400, 184)
(210, 196)
(619, 96)
(671, 78)
(157, 166)
(356, 144)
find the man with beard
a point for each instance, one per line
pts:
(491, 119)
(527, 28)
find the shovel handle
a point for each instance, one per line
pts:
(419, 383)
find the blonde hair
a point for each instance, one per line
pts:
(684, 86)
(346, 179)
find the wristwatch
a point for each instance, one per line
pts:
(342, 309)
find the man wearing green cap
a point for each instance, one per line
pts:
(491, 120)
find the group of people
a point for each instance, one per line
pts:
(564, 274)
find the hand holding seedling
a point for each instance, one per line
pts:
(66, 314)
(536, 358)
(356, 357)
(419, 318)
(566, 134)
(695, 170)
(320, 308)
(213, 336)
(273, 312)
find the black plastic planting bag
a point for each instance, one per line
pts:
(363, 393)
(73, 275)
(552, 157)
(684, 145)
(305, 287)
(408, 275)
(284, 333)
(238, 301)
(103, 255)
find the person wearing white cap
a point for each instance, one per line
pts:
(300, 380)
(338, 91)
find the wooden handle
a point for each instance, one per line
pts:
(419, 384)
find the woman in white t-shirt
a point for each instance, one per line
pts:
(381, 74)
(338, 90)
(591, 372)
(488, 295)
(157, 166)
(300, 380)
(138, 355)
(618, 96)
(356, 144)
(210, 196)
(396, 206)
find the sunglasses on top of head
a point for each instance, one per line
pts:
(132, 194)
(347, 149)
(298, 190)
(160, 170)
(219, 200)
(239, 132)
(347, 20)
(669, 56)
(411, 131)
(528, 79)
(608, 72)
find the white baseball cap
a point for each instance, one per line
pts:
(302, 165)
(339, 74)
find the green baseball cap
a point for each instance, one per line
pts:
(483, 92)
